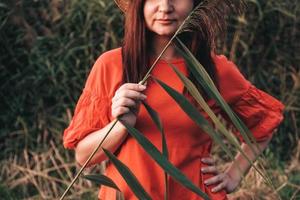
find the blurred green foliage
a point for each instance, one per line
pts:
(47, 48)
(263, 43)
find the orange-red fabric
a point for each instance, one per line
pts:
(187, 143)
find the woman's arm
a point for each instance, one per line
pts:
(125, 104)
(241, 165)
(230, 179)
(86, 146)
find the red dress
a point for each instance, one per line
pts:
(187, 143)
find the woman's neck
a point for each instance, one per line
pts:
(158, 44)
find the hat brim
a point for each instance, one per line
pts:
(122, 4)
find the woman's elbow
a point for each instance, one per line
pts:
(82, 157)
(80, 160)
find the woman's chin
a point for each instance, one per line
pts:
(165, 33)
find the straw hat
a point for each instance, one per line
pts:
(122, 4)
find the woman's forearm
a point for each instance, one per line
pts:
(241, 165)
(87, 145)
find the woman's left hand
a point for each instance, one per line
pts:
(222, 180)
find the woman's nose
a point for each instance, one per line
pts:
(166, 6)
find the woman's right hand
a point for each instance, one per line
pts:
(126, 102)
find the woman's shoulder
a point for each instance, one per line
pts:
(111, 55)
(110, 58)
(108, 64)
(106, 73)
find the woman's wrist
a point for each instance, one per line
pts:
(235, 173)
(121, 128)
(234, 178)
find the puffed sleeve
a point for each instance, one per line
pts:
(92, 110)
(260, 112)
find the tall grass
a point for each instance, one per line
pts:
(47, 49)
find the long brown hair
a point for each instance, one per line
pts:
(135, 48)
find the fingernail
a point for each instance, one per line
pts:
(144, 96)
(202, 169)
(142, 87)
(213, 190)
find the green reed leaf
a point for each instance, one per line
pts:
(101, 179)
(207, 83)
(193, 113)
(156, 119)
(128, 176)
(200, 100)
(163, 161)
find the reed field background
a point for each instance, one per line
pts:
(47, 49)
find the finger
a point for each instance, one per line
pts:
(120, 111)
(209, 169)
(126, 87)
(133, 86)
(124, 102)
(208, 160)
(130, 94)
(214, 179)
(219, 187)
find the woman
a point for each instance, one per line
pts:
(111, 91)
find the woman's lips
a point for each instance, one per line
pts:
(165, 21)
